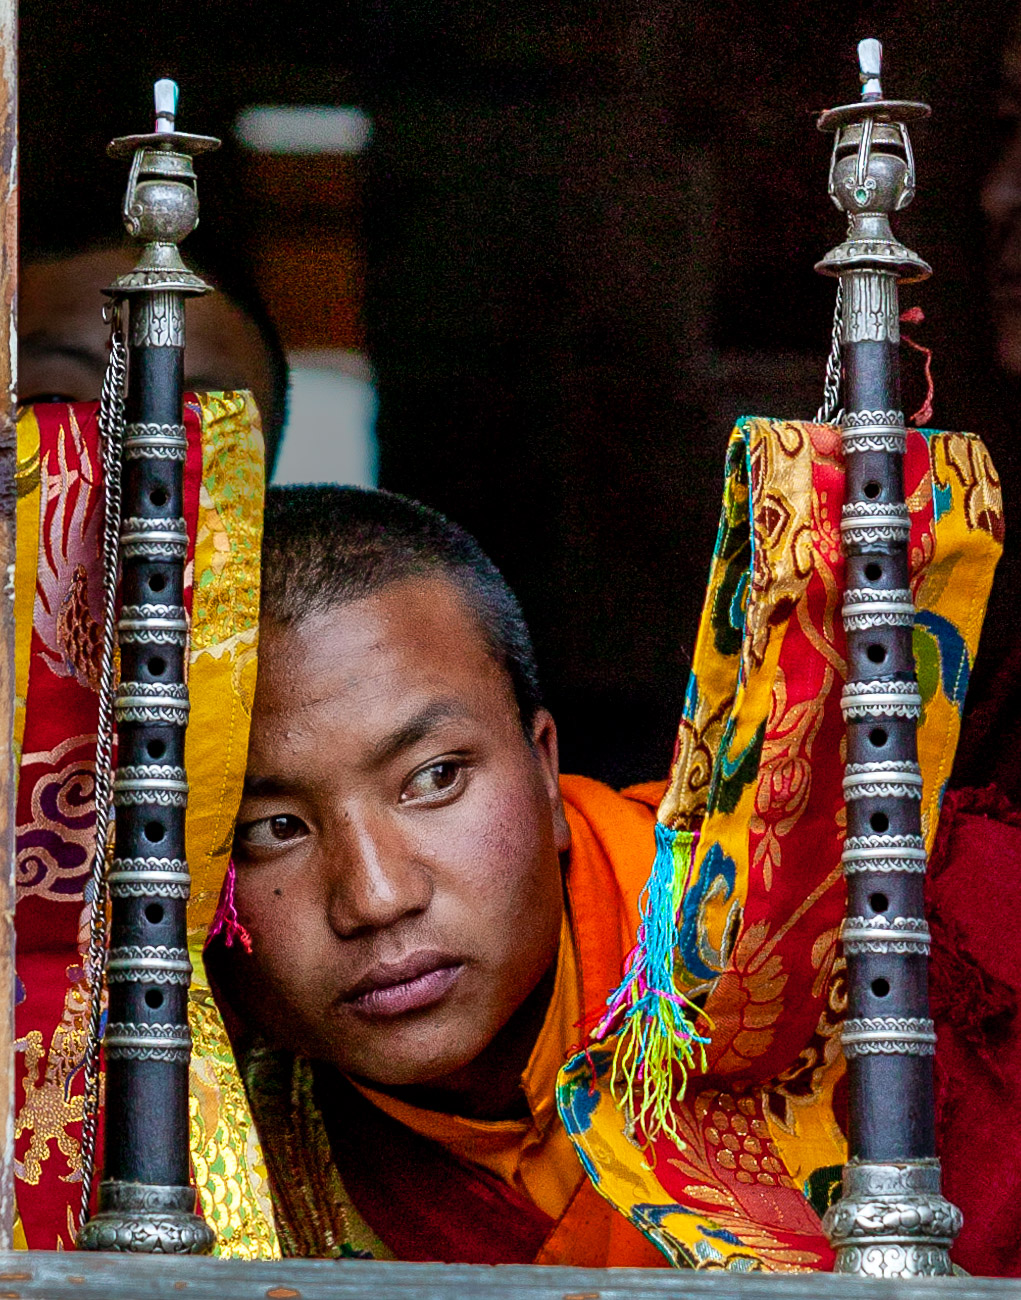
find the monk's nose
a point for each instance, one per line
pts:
(374, 878)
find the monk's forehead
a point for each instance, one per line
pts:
(415, 635)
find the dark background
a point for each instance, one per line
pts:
(580, 246)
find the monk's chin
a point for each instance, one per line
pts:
(420, 1048)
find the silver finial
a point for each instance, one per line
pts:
(870, 62)
(165, 95)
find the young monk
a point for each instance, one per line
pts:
(433, 915)
(430, 917)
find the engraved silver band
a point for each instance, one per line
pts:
(144, 1196)
(145, 884)
(892, 1221)
(126, 1041)
(149, 877)
(150, 783)
(870, 307)
(895, 780)
(865, 607)
(884, 854)
(892, 441)
(142, 1218)
(155, 624)
(152, 702)
(157, 320)
(868, 523)
(873, 431)
(155, 442)
(154, 539)
(880, 699)
(159, 965)
(859, 420)
(874, 512)
(900, 935)
(888, 1036)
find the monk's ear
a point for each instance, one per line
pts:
(544, 743)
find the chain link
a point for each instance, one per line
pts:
(831, 411)
(111, 434)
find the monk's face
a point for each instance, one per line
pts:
(398, 843)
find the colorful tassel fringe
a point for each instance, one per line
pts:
(654, 1022)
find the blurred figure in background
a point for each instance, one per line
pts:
(63, 341)
(991, 743)
(1001, 203)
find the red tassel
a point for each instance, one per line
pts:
(915, 316)
(226, 921)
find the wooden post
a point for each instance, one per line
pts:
(8, 376)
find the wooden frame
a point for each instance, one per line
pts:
(8, 336)
(39, 1275)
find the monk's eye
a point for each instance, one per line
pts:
(435, 783)
(270, 832)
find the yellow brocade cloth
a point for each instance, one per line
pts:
(748, 867)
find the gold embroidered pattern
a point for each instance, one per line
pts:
(229, 1170)
(226, 582)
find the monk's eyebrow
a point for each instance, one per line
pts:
(408, 733)
(265, 787)
(415, 729)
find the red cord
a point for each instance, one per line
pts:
(915, 316)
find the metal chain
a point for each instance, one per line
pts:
(111, 434)
(831, 410)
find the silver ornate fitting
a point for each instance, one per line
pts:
(874, 524)
(155, 442)
(149, 877)
(879, 935)
(153, 783)
(870, 308)
(155, 702)
(154, 539)
(873, 431)
(880, 699)
(884, 853)
(892, 1221)
(149, 965)
(888, 1036)
(891, 780)
(157, 320)
(126, 1041)
(869, 607)
(153, 624)
(146, 1219)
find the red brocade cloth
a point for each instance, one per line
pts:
(973, 896)
(56, 811)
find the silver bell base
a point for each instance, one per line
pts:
(142, 1218)
(892, 1221)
